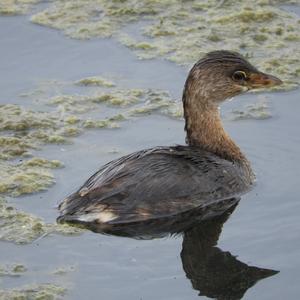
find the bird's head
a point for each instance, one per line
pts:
(220, 75)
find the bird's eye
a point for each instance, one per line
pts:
(239, 76)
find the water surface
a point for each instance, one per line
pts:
(263, 231)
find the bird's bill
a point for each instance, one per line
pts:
(262, 80)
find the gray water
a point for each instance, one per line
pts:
(263, 231)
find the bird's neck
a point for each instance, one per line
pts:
(204, 129)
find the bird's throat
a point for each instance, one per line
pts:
(204, 129)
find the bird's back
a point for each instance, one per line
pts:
(155, 183)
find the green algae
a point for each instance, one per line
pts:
(182, 31)
(63, 270)
(19, 227)
(260, 37)
(44, 163)
(70, 131)
(247, 15)
(111, 122)
(75, 104)
(26, 131)
(11, 147)
(22, 228)
(72, 120)
(158, 102)
(86, 19)
(16, 7)
(95, 81)
(79, 104)
(12, 270)
(34, 292)
(18, 268)
(100, 124)
(26, 177)
(256, 111)
(73, 108)
(118, 97)
(12, 117)
(46, 291)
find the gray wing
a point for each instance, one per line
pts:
(154, 183)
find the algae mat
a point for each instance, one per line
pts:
(34, 292)
(182, 31)
(65, 116)
(26, 132)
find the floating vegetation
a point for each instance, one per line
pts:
(16, 7)
(182, 31)
(26, 177)
(100, 124)
(95, 81)
(13, 147)
(12, 270)
(85, 103)
(257, 111)
(12, 117)
(119, 97)
(63, 270)
(159, 102)
(138, 101)
(71, 107)
(23, 228)
(34, 292)
(26, 131)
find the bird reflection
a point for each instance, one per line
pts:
(215, 273)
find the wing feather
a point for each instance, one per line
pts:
(154, 183)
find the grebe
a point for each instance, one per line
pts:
(166, 181)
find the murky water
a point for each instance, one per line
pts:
(262, 232)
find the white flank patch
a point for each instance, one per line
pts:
(102, 217)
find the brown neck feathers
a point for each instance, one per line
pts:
(204, 128)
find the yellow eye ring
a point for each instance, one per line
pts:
(239, 75)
